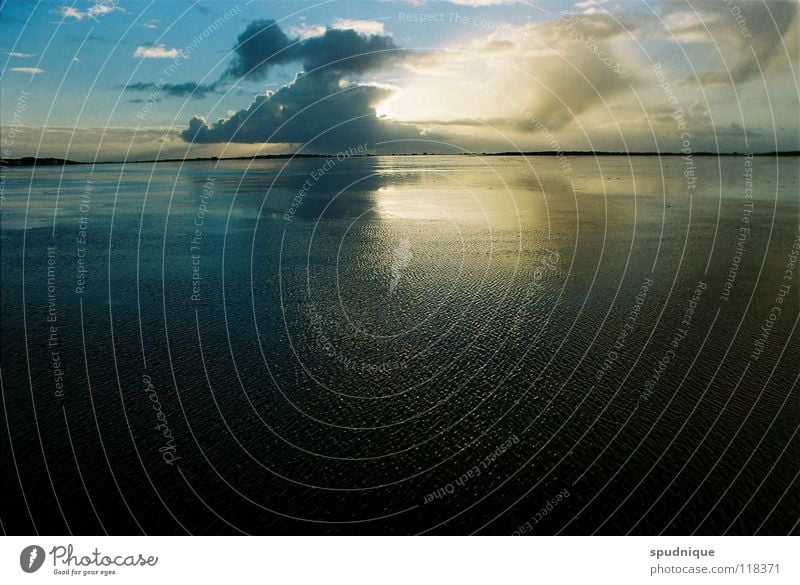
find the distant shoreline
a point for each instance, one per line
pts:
(29, 161)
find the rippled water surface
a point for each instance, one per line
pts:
(402, 345)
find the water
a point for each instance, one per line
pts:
(402, 345)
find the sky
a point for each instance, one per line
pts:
(123, 79)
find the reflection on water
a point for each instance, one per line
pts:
(329, 345)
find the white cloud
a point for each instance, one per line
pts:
(482, 2)
(20, 55)
(156, 52)
(690, 26)
(590, 3)
(306, 31)
(151, 24)
(367, 27)
(543, 70)
(99, 8)
(567, 76)
(31, 70)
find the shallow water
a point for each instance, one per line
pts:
(465, 327)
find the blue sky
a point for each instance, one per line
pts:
(77, 77)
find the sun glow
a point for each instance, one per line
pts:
(420, 101)
(384, 109)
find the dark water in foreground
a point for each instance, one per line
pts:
(416, 344)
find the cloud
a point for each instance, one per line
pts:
(30, 70)
(687, 26)
(263, 45)
(314, 109)
(580, 69)
(305, 30)
(151, 23)
(483, 2)
(20, 55)
(189, 89)
(558, 92)
(759, 37)
(565, 83)
(158, 51)
(364, 27)
(98, 8)
(592, 6)
(325, 106)
(347, 52)
(548, 73)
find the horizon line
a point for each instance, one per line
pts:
(55, 161)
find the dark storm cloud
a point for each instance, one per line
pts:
(323, 106)
(264, 45)
(189, 89)
(313, 109)
(347, 51)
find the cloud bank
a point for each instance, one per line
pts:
(581, 80)
(326, 106)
